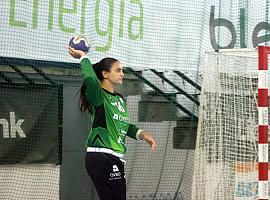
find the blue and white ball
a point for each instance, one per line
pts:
(79, 42)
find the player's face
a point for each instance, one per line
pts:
(115, 75)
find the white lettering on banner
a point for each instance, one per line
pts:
(10, 129)
(56, 18)
(5, 125)
(112, 26)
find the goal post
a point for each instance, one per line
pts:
(263, 122)
(231, 155)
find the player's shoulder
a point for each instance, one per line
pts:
(120, 96)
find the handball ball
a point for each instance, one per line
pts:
(79, 42)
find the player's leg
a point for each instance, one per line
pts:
(107, 173)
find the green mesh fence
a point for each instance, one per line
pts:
(162, 47)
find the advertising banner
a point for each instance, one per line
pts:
(30, 123)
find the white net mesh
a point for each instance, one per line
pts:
(29, 181)
(226, 148)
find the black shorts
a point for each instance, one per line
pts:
(108, 175)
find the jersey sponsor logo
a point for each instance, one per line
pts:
(123, 132)
(119, 106)
(120, 99)
(115, 116)
(122, 135)
(12, 127)
(119, 140)
(121, 118)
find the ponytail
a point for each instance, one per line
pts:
(104, 65)
(83, 104)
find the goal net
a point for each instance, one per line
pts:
(225, 164)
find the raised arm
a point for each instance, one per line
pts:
(94, 93)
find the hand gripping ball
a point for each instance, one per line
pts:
(79, 42)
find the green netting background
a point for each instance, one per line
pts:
(156, 41)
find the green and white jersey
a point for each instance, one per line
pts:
(111, 121)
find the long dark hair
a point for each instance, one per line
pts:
(104, 65)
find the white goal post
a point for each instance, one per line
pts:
(226, 159)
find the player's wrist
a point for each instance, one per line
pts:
(82, 57)
(139, 134)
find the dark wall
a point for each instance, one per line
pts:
(75, 184)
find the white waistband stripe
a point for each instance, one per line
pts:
(104, 150)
